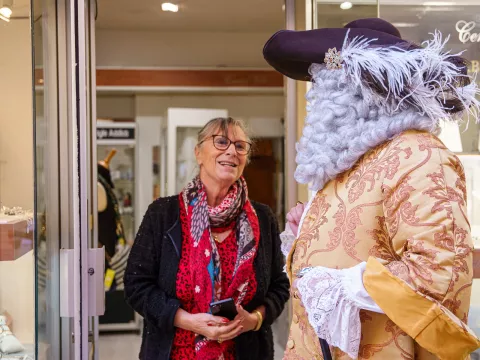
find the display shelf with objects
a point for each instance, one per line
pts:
(16, 233)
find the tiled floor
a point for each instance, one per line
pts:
(119, 346)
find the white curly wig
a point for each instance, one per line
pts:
(341, 126)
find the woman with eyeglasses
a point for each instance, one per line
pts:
(207, 244)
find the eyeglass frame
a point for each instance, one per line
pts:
(230, 143)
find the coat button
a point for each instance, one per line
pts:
(291, 344)
(295, 319)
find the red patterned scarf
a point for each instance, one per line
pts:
(206, 276)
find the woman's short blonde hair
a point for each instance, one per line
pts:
(223, 125)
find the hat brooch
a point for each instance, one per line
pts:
(333, 59)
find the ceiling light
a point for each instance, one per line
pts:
(404, 25)
(438, 3)
(5, 13)
(346, 5)
(169, 7)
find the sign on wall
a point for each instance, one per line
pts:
(467, 32)
(117, 133)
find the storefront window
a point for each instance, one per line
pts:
(17, 231)
(460, 22)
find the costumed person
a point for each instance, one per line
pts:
(381, 266)
(207, 244)
(110, 228)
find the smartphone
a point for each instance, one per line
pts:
(225, 308)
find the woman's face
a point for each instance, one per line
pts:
(221, 166)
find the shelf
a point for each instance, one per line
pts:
(16, 238)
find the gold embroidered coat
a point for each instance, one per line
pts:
(401, 208)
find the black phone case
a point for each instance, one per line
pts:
(224, 308)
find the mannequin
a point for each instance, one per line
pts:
(110, 229)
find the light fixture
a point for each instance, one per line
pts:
(166, 6)
(6, 10)
(404, 25)
(347, 5)
(438, 3)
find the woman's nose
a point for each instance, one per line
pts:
(231, 149)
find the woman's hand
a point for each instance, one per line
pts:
(212, 327)
(248, 320)
(294, 216)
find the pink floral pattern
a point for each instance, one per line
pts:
(403, 203)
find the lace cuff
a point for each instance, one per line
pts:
(333, 300)
(288, 238)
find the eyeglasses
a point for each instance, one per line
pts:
(223, 143)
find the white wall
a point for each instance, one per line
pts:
(187, 49)
(16, 115)
(117, 106)
(262, 113)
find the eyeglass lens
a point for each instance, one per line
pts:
(222, 143)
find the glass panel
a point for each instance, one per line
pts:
(331, 14)
(17, 196)
(186, 162)
(46, 182)
(462, 23)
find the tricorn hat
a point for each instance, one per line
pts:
(391, 72)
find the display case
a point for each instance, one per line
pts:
(120, 138)
(116, 142)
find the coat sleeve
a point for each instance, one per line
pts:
(424, 252)
(279, 289)
(141, 285)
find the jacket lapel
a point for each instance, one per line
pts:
(175, 236)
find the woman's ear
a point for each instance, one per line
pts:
(198, 155)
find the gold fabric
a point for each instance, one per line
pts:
(403, 204)
(432, 326)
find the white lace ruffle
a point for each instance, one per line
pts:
(288, 238)
(333, 300)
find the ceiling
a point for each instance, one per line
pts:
(194, 15)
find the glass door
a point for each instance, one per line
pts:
(69, 273)
(48, 282)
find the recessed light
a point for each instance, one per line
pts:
(169, 7)
(347, 5)
(5, 13)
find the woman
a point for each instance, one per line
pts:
(209, 243)
(382, 264)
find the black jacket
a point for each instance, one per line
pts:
(151, 274)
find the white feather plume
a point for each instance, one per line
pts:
(422, 77)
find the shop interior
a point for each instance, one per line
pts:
(162, 72)
(209, 52)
